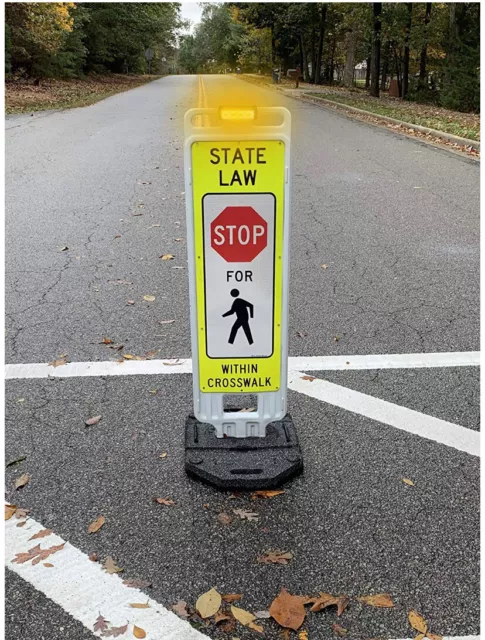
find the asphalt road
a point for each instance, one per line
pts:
(396, 223)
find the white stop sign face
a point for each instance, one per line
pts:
(239, 295)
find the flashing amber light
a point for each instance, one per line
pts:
(237, 114)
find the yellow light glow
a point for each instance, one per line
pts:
(237, 114)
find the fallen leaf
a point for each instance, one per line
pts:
(262, 614)
(117, 347)
(128, 356)
(139, 605)
(288, 610)
(166, 501)
(221, 617)
(48, 565)
(110, 566)
(325, 600)
(22, 513)
(266, 493)
(19, 400)
(10, 509)
(303, 635)
(433, 636)
(285, 634)
(242, 616)
(246, 515)
(208, 603)
(228, 626)
(41, 534)
(21, 524)
(231, 597)
(343, 603)
(224, 518)
(155, 225)
(167, 256)
(417, 621)
(275, 557)
(134, 583)
(163, 455)
(58, 363)
(336, 338)
(118, 236)
(324, 266)
(178, 239)
(45, 553)
(174, 363)
(167, 321)
(93, 556)
(420, 636)
(96, 525)
(115, 632)
(106, 341)
(301, 334)
(17, 460)
(64, 249)
(22, 481)
(256, 627)
(101, 624)
(149, 298)
(25, 556)
(180, 609)
(130, 302)
(92, 421)
(408, 482)
(340, 631)
(310, 378)
(379, 600)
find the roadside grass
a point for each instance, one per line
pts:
(24, 97)
(464, 125)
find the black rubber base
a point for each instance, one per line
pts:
(243, 463)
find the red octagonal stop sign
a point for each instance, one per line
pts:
(239, 234)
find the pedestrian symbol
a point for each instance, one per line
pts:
(240, 308)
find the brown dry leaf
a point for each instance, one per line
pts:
(115, 632)
(434, 636)
(408, 482)
(324, 266)
(417, 621)
(246, 515)
(10, 509)
(166, 501)
(59, 362)
(128, 356)
(266, 493)
(255, 627)
(21, 524)
(93, 556)
(22, 481)
(343, 603)
(48, 565)
(208, 604)
(138, 632)
(101, 623)
(167, 256)
(96, 525)
(288, 610)
(303, 635)
(134, 583)
(420, 636)
(45, 553)
(242, 616)
(228, 626)
(379, 600)
(22, 513)
(118, 236)
(25, 556)
(325, 600)
(285, 634)
(231, 597)
(224, 518)
(92, 421)
(107, 341)
(221, 617)
(149, 298)
(110, 566)
(310, 378)
(41, 534)
(275, 557)
(180, 608)
(139, 605)
(340, 631)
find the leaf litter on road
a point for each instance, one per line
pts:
(266, 493)
(41, 534)
(59, 362)
(22, 481)
(245, 618)
(181, 609)
(115, 632)
(246, 515)
(208, 604)
(101, 623)
(275, 557)
(110, 566)
(168, 502)
(231, 597)
(382, 600)
(309, 378)
(149, 298)
(10, 509)
(12, 463)
(96, 525)
(167, 256)
(409, 482)
(417, 621)
(138, 632)
(288, 610)
(135, 583)
(90, 422)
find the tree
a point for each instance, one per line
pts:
(376, 50)
(407, 36)
(321, 33)
(424, 48)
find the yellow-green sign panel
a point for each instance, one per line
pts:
(238, 191)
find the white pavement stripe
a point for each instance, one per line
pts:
(447, 433)
(301, 363)
(389, 361)
(83, 589)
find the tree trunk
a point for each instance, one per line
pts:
(398, 69)
(376, 50)
(385, 65)
(350, 42)
(318, 62)
(304, 68)
(367, 72)
(424, 50)
(332, 61)
(312, 77)
(405, 66)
